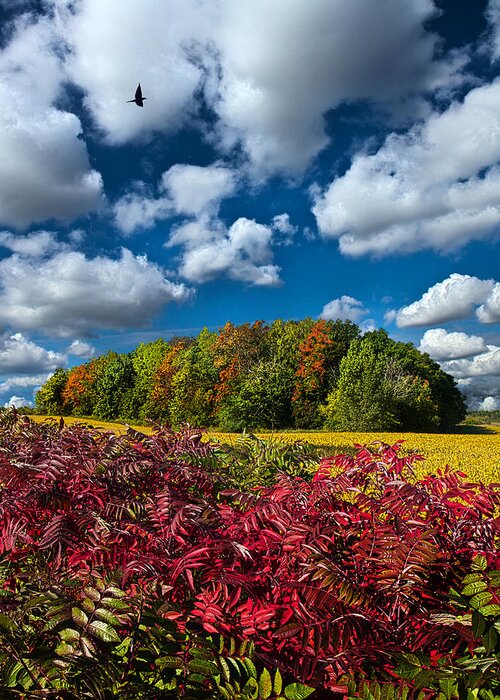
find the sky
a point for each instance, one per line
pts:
(293, 158)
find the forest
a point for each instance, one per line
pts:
(307, 374)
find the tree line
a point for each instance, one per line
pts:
(288, 374)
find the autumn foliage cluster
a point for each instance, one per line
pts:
(301, 374)
(154, 567)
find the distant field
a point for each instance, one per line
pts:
(475, 451)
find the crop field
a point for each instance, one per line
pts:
(475, 453)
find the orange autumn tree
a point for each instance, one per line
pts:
(162, 387)
(79, 394)
(310, 385)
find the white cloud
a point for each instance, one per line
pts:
(489, 311)
(189, 190)
(35, 244)
(489, 403)
(17, 402)
(493, 16)
(18, 354)
(441, 345)
(302, 59)
(80, 349)
(452, 299)
(24, 382)
(437, 186)
(242, 252)
(69, 294)
(44, 168)
(344, 308)
(486, 364)
(115, 45)
(270, 86)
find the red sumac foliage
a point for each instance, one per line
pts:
(328, 577)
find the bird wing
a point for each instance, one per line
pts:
(138, 93)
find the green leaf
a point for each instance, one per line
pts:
(69, 635)
(250, 667)
(448, 687)
(298, 691)
(265, 684)
(487, 610)
(480, 599)
(79, 617)
(103, 631)
(490, 640)
(92, 593)
(65, 649)
(278, 682)
(6, 623)
(204, 667)
(479, 563)
(472, 588)
(478, 623)
(168, 662)
(107, 616)
(115, 604)
(224, 666)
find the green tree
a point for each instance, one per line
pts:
(115, 387)
(49, 398)
(146, 359)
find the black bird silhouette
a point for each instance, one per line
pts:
(138, 99)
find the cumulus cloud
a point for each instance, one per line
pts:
(241, 252)
(489, 311)
(344, 308)
(187, 190)
(452, 299)
(278, 80)
(35, 244)
(441, 345)
(489, 403)
(69, 294)
(78, 348)
(436, 186)
(269, 87)
(18, 354)
(24, 382)
(44, 169)
(17, 402)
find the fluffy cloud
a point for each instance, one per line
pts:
(35, 244)
(279, 79)
(489, 403)
(188, 190)
(344, 308)
(24, 382)
(453, 298)
(18, 354)
(69, 294)
(17, 402)
(441, 345)
(44, 168)
(242, 252)
(437, 186)
(478, 377)
(269, 87)
(489, 312)
(80, 349)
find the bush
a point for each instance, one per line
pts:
(141, 566)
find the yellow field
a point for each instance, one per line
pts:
(477, 454)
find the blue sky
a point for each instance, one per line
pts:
(323, 158)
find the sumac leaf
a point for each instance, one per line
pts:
(79, 617)
(476, 587)
(69, 635)
(265, 684)
(278, 682)
(168, 662)
(203, 666)
(298, 691)
(103, 631)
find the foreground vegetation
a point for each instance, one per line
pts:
(163, 566)
(294, 374)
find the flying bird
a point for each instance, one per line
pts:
(138, 99)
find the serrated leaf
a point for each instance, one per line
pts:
(492, 609)
(478, 623)
(168, 662)
(298, 691)
(278, 682)
(79, 617)
(476, 587)
(103, 631)
(88, 605)
(107, 616)
(250, 667)
(287, 631)
(479, 563)
(265, 684)
(448, 687)
(224, 666)
(490, 640)
(69, 635)
(115, 603)
(480, 599)
(204, 667)
(92, 593)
